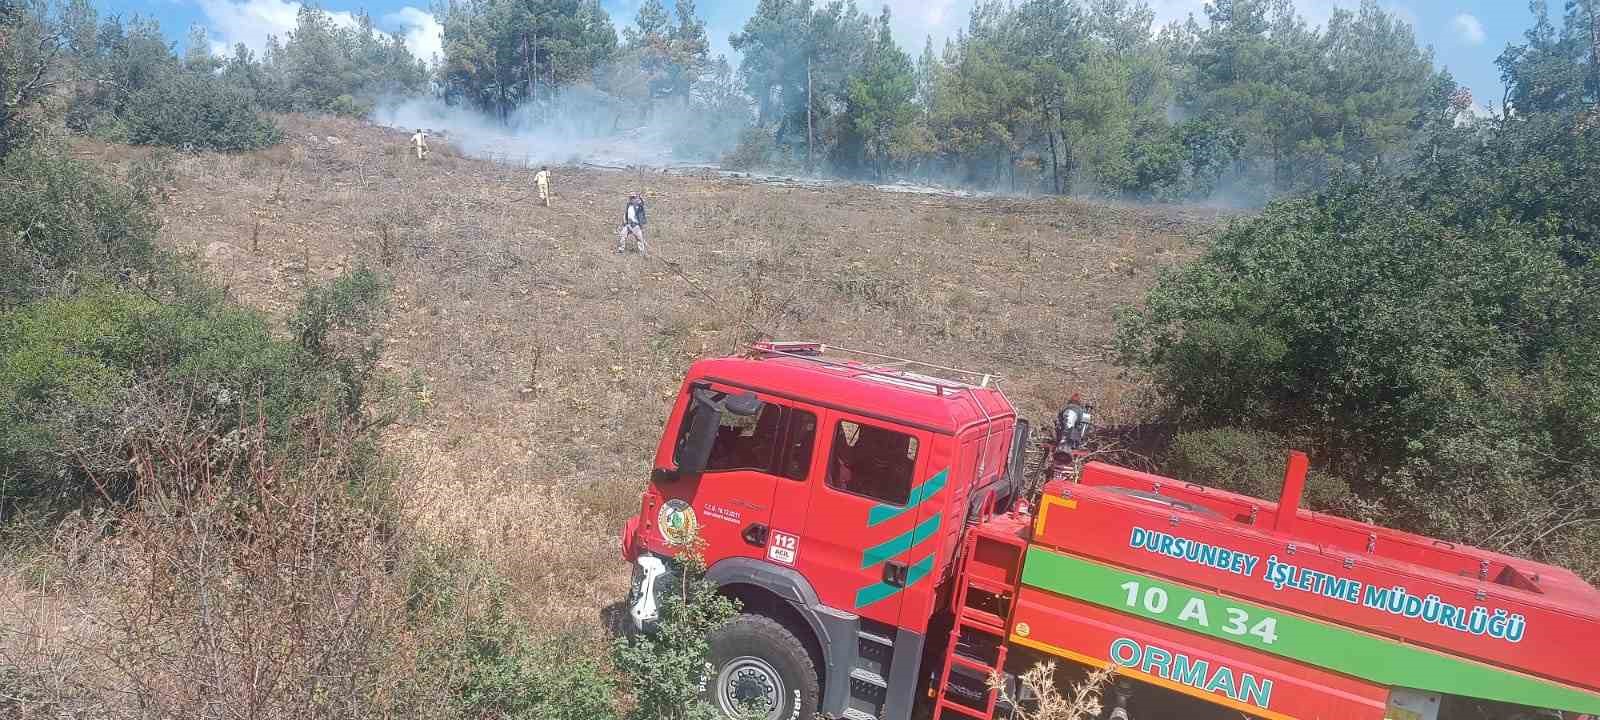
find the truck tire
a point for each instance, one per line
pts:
(754, 657)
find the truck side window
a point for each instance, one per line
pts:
(872, 461)
(797, 447)
(747, 443)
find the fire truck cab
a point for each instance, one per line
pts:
(830, 497)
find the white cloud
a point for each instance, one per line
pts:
(423, 34)
(231, 22)
(251, 21)
(1468, 28)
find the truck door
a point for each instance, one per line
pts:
(863, 544)
(753, 458)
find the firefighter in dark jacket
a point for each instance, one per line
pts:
(1072, 425)
(633, 221)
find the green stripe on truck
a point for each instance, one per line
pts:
(884, 512)
(892, 547)
(1312, 642)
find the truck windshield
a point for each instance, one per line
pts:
(778, 440)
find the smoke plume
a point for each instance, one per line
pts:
(579, 125)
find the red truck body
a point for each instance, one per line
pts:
(872, 512)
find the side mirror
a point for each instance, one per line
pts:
(1017, 464)
(743, 405)
(1007, 489)
(695, 451)
(705, 413)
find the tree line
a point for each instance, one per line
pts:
(120, 79)
(1068, 96)
(1051, 96)
(1057, 96)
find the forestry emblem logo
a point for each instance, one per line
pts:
(677, 522)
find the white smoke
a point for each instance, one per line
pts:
(580, 125)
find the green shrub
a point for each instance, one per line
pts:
(503, 672)
(1251, 462)
(1356, 315)
(197, 112)
(62, 224)
(83, 377)
(334, 325)
(1445, 369)
(350, 301)
(666, 668)
(79, 377)
(349, 106)
(488, 663)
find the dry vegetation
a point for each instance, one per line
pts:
(548, 361)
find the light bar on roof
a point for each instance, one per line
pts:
(791, 347)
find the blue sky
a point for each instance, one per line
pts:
(1466, 35)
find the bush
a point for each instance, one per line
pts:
(78, 377)
(83, 377)
(1251, 462)
(756, 150)
(486, 662)
(1179, 162)
(281, 598)
(197, 112)
(198, 596)
(63, 225)
(1355, 315)
(666, 669)
(498, 670)
(349, 106)
(1445, 369)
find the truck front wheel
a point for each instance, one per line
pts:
(757, 663)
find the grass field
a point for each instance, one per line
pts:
(549, 361)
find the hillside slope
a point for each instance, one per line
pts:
(549, 361)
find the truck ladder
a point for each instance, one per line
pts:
(984, 592)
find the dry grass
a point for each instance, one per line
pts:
(1043, 685)
(229, 588)
(549, 361)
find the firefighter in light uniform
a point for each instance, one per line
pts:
(420, 142)
(542, 179)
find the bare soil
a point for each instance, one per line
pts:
(549, 361)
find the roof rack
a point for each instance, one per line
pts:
(813, 351)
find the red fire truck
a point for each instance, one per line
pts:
(867, 515)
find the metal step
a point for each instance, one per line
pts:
(985, 621)
(993, 587)
(854, 714)
(869, 677)
(835, 612)
(876, 638)
(972, 663)
(962, 709)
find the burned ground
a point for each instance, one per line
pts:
(548, 362)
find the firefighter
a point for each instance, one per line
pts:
(542, 179)
(633, 221)
(420, 142)
(1072, 425)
